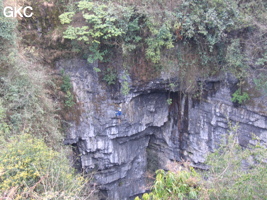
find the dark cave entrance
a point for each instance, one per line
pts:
(159, 150)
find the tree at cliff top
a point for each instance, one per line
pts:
(191, 36)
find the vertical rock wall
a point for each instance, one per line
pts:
(150, 132)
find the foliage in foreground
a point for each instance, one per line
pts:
(7, 36)
(234, 173)
(237, 173)
(30, 169)
(180, 184)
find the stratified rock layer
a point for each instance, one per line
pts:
(150, 132)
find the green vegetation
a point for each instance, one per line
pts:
(207, 21)
(193, 39)
(261, 83)
(30, 169)
(27, 108)
(66, 87)
(110, 76)
(198, 38)
(110, 26)
(169, 101)
(66, 84)
(125, 88)
(7, 39)
(181, 184)
(100, 28)
(159, 39)
(6, 26)
(4, 127)
(69, 100)
(234, 172)
(236, 61)
(240, 97)
(33, 161)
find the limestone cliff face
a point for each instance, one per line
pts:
(150, 132)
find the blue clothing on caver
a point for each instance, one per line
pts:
(118, 113)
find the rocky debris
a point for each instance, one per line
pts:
(121, 150)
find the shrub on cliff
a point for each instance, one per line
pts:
(31, 170)
(234, 172)
(107, 27)
(237, 173)
(7, 37)
(178, 184)
(6, 26)
(189, 36)
(4, 127)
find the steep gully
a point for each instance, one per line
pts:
(150, 132)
